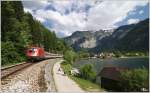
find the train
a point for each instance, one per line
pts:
(38, 53)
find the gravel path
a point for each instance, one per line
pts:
(31, 79)
(49, 76)
(63, 83)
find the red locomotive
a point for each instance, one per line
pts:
(35, 53)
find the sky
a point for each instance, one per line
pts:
(67, 16)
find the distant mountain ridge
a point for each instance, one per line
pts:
(86, 39)
(133, 37)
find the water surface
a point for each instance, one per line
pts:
(99, 64)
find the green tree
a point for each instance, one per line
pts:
(9, 54)
(70, 56)
(14, 32)
(87, 72)
(83, 54)
(135, 80)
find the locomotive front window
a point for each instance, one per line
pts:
(33, 50)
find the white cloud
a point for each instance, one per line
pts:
(141, 12)
(108, 13)
(101, 14)
(35, 5)
(66, 23)
(133, 21)
(28, 10)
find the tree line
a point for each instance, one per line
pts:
(20, 30)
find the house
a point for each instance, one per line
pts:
(109, 78)
(106, 55)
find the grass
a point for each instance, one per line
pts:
(84, 84)
(87, 85)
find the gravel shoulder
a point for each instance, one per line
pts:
(32, 79)
(63, 83)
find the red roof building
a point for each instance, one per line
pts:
(109, 78)
(112, 72)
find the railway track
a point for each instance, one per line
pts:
(7, 71)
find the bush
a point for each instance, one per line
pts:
(135, 80)
(67, 68)
(10, 54)
(83, 54)
(117, 54)
(87, 72)
(70, 56)
(64, 62)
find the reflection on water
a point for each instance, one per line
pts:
(131, 63)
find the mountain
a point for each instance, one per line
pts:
(85, 40)
(133, 37)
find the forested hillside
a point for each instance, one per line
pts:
(19, 30)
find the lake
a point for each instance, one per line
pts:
(99, 64)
